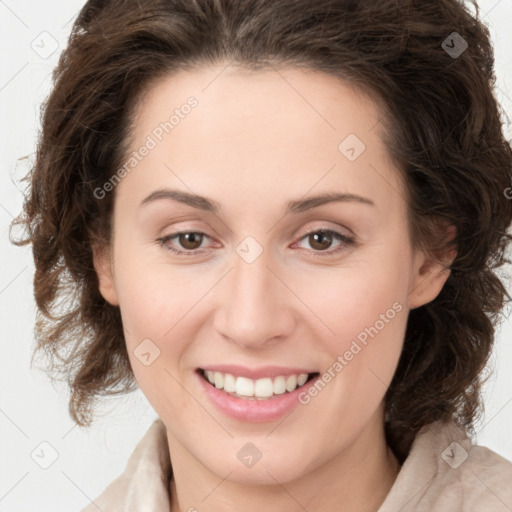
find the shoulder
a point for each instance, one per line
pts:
(476, 477)
(445, 470)
(486, 479)
(143, 485)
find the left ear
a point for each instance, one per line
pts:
(430, 273)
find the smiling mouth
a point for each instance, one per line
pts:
(255, 389)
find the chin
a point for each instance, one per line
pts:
(279, 468)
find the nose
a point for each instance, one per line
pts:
(255, 306)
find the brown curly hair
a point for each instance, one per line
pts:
(442, 129)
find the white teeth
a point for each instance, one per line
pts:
(260, 388)
(219, 380)
(229, 383)
(264, 388)
(291, 382)
(279, 385)
(244, 386)
(302, 378)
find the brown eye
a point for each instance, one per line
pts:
(320, 240)
(187, 242)
(191, 240)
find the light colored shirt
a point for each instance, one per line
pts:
(444, 472)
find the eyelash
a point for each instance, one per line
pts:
(348, 241)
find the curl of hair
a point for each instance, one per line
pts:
(441, 125)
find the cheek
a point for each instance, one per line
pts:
(364, 317)
(351, 301)
(155, 317)
(152, 307)
(152, 296)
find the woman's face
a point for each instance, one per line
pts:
(270, 283)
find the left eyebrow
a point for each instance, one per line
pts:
(302, 205)
(294, 206)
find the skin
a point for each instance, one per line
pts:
(255, 141)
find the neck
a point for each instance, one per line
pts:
(358, 478)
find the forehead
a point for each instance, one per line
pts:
(291, 104)
(268, 131)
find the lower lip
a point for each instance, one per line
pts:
(254, 411)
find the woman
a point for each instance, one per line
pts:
(282, 221)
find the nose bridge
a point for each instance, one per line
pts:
(254, 307)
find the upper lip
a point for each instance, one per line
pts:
(256, 373)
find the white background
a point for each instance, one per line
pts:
(31, 409)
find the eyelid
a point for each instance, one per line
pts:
(347, 241)
(325, 226)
